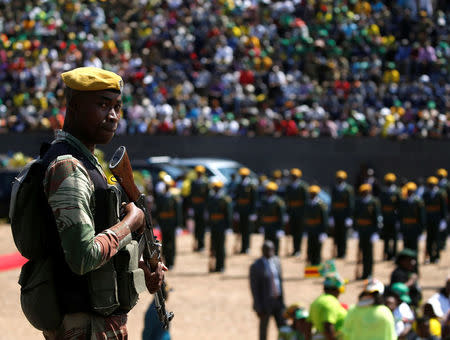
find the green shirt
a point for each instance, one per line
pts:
(70, 194)
(369, 323)
(326, 308)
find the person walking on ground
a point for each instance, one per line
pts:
(390, 200)
(266, 286)
(412, 217)
(220, 214)
(169, 216)
(368, 222)
(272, 215)
(296, 197)
(341, 212)
(326, 314)
(88, 247)
(198, 197)
(245, 203)
(444, 184)
(435, 200)
(316, 225)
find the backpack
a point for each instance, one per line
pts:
(31, 218)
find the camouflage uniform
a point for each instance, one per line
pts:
(436, 212)
(296, 196)
(220, 219)
(199, 194)
(389, 200)
(245, 198)
(169, 216)
(71, 196)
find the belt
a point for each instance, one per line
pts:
(198, 199)
(166, 214)
(217, 216)
(243, 201)
(363, 221)
(433, 208)
(340, 205)
(409, 220)
(270, 219)
(295, 204)
(388, 208)
(313, 221)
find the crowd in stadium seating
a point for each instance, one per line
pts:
(236, 67)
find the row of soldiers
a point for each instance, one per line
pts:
(299, 210)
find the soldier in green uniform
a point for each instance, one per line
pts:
(435, 201)
(220, 214)
(245, 197)
(169, 216)
(198, 196)
(390, 199)
(411, 214)
(444, 184)
(342, 204)
(272, 215)
(368, 222)
(296, 196)
(316, 225)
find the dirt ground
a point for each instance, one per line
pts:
(218, 306)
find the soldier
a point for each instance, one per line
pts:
(342, 204)
(272, 215)
(435, 201)
(390, 200)
(296, 196)
(368, 222)
(444, 185)
(169, 216)
(198, 197)
(411, 214)
(316, 224)
(220, 219)
(245, 198)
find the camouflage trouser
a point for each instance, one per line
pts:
(83, 326)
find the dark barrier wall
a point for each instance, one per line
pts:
(318, 158)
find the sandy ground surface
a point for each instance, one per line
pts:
(217, 306)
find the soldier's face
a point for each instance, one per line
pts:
(97, 115)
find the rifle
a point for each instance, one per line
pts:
(149, 246)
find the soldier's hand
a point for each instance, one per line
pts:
(153, 280)
(134, 217)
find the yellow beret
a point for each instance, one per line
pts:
(217, 184)
(277, 174)
(341, 174)
(200, 168)
(314, 189)
(272, 186)
(411, 186)
(92, 79)
(390, 177)
(244, 171)
(432, 180)
(365, 187)
(442, 172)
(296, 172)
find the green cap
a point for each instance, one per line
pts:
(333, 281)
(301, 314)
(402, 291)
(407, 253)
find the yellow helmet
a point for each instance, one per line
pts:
(442, 173)
(277, 174)
(272, 186)
(314, 189)
(390, 177)
(296, 172)
(200, 168)
(168, 180)
(432, 180)
(341, 174)
(365, 187)
(244, 171)
(217, 184)
(161, 175)
(411, 186)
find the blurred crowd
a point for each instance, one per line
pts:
(235, 67)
